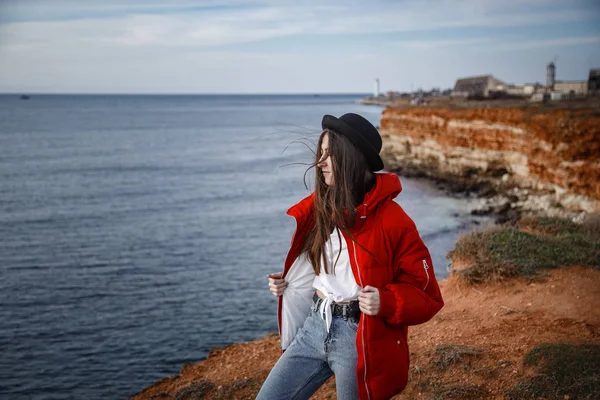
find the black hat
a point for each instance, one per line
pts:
(361, 133)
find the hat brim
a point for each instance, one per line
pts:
(373, 159)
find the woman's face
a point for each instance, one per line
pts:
(325, 162)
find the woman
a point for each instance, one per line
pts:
(357, 268)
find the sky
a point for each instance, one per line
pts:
(281, 46)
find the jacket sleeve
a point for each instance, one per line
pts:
(414, 297)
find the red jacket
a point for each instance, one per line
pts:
(402, 271)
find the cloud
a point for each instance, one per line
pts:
(553, 42)
(505, 43)
(436, 44)
(216, 24)
(272, 46)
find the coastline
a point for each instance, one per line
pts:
(488, 328)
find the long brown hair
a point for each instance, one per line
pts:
(335, 204)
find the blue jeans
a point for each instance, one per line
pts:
(312, 358)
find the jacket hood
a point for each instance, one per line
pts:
(387, 187)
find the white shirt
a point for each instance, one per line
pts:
(302, 282)
(338, 284)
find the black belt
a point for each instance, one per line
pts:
(346, 311)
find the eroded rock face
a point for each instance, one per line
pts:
(553, 153)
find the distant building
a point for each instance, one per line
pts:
(477, 86)
(525, 90)
(594, 83)
(537, 96)
(571, 88)
(376, 88)
(563, 89)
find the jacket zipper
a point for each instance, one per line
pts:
(363, 325)
(426, 268)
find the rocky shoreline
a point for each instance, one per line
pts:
(506, 201)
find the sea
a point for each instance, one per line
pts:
(136, 231)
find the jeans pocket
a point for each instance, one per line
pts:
(353, 325)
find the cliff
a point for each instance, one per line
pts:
(538, 158)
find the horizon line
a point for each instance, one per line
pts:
(178, 94)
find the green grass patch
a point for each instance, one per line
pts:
(561, 370)
(503, 252)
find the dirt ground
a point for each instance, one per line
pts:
(503, 321)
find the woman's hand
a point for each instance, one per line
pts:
(276, 284)
(368, 300)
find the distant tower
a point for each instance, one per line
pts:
(550, 75)
(376, 89)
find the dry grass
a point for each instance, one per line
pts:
(194, 391)
(443, 392)
(504, 252)
(240, 389)
(550, 226)
(591, 226)
(446, 355)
